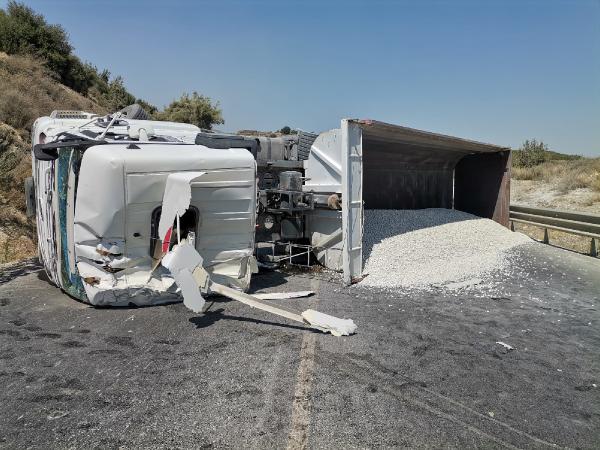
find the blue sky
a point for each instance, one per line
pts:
(498, 71)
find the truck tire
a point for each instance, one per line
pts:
(134, 111)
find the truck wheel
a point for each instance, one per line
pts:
(134, 111)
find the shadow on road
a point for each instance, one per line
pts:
(211, 317)
(19, 269)
(267, 279)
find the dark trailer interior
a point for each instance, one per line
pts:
(404, 168)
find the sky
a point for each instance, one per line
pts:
(496, 71)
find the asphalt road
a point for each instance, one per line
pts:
(424, 369)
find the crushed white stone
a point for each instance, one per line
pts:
(433, 248)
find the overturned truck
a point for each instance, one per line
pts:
(107, 195)
(99, 190)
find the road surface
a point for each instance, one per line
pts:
(424, 369)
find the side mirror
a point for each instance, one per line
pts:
(45, 152)
(30, 197)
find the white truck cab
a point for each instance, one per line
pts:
(99, 190)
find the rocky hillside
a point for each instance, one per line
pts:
(27, 91)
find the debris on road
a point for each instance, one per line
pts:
(181, 262)
(505, 345)
(433, 247)
(283, 295)
(327, 323)
(185, 264)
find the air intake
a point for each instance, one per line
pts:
(66, 114)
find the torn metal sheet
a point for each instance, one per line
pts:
(176, 201)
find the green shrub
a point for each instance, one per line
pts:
(117, 96)
(195, 109)
(22, 31)
(531, 153)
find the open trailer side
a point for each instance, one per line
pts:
(375, 165)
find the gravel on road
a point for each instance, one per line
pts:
(433, 247)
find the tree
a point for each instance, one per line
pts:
(285, 130)
(105, 75)
(196, 109)
(22, 31)
(530, 154)
(117, 96)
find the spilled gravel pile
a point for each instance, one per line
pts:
(433, 248)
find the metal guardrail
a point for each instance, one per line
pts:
(586, 225)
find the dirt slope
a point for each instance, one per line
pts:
(542, 194)
(27, 91)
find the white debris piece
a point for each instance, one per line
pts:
(433, 247)
(181, 262)
(283, 295)
(185, 264)
(505, 345)
(327, 323)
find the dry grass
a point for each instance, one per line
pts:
(28, 91)
(565, 176)
(570, 185)
(259, 133)
(16, 244)
(17, 232)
